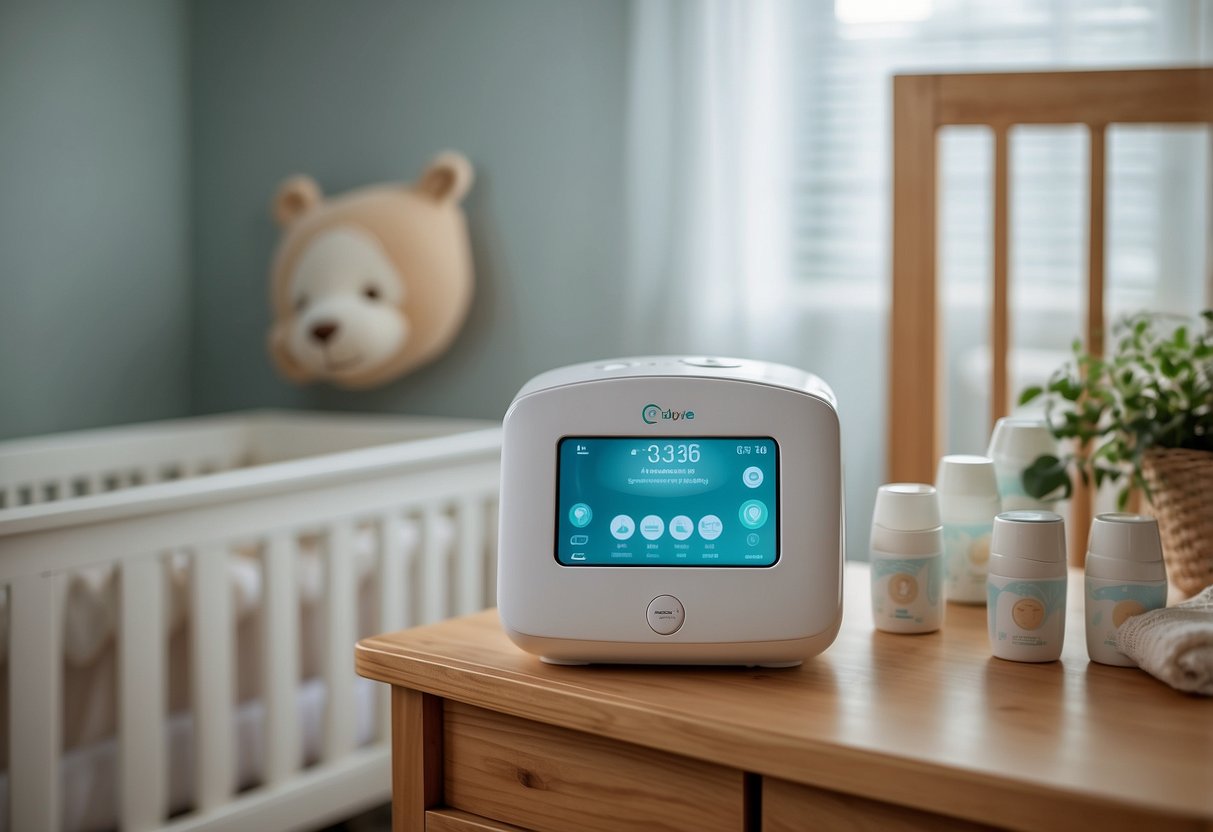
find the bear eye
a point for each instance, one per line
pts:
(371, 293)
(300, 303)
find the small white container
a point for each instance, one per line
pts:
(1125, 576)
(1014, 445)
(907, 559)
(968, 503)
(1027, 586)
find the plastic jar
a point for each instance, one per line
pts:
(907, 559)
(1014, 445)
(1125, 576)
(968, 503)
(1027, 586)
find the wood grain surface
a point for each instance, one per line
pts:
(915, 435)
(455, 820)
(791, 807)
(539, 777)
(929, 721)
(416, 757)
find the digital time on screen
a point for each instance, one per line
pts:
(641, 501)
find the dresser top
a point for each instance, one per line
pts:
(931, 721)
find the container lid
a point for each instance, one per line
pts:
(1132, 537)
(964, 475)
(1023, 439)
(907, 507)
(1030, 535)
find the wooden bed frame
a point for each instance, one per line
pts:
(921, 105)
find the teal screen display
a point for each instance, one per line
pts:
(644, 501)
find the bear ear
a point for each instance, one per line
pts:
(447, 178)
(296, 196)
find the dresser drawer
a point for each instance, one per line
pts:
(790, 807)
(554, 779)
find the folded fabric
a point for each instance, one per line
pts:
(1174, 644)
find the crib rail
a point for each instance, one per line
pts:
(452, 484)
(87, 463)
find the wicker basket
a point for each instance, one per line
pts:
(1181, 482)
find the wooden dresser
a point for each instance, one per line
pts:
(881, 732)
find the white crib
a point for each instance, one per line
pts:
(148, 498)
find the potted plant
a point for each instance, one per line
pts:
(1142, 416)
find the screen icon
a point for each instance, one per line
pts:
(582, 450)
(752, 538)
(580, 515)
(753, 514)
(579, 539)
(623, 527)
(652, 527)
(578, 556)
(752, 476)
(681, 527)
(710, 527)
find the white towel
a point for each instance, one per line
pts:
(1174, 644)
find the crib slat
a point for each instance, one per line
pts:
(393, 600)
(434, 572)
(341, 630)
(281, 652)
(142, 694)
(35, 706)
(470, 572)
(212, 676)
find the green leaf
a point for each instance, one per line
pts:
(1029, 394)
(1046, 475)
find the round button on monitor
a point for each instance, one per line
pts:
(580, 515)
(681, 527)
(666, 615)
(652, 527)
(623, 527)
(711, 362)
(752, 514)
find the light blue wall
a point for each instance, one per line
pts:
(357, 92)
(94, 274)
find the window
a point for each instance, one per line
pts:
(843, 56)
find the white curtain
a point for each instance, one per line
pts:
(759, 196)
(708, 248)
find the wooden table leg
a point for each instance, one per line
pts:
(416, 757)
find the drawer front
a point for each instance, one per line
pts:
(790, 807)
(454, 820)
(553, 779)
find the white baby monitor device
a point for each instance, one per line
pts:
(672, 510)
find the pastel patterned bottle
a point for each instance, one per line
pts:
(1125, 576)
(907, 559)
(1026, 586)
(1014, 445)
(968, 502)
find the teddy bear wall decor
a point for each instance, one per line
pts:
(370, 284)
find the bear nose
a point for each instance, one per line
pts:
(322, 332)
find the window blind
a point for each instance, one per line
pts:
(843, 57)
